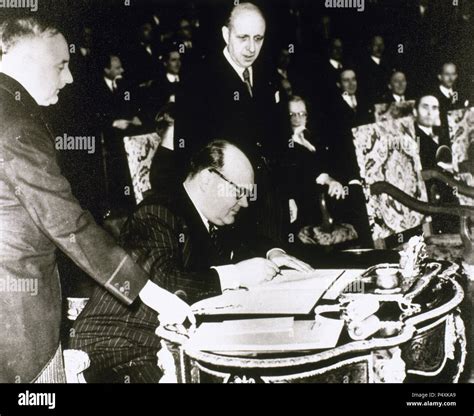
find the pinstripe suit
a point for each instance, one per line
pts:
(169, 240)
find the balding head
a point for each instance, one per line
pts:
(37, 56)
(243, 9)
(244, 34)
(220, 181)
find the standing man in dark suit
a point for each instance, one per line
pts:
(118, 117)
(166, 87)
(348, 109)
(38, 214)
(143, 56)
(374, 71)
(242, 105)
(187, 244)
(330, 71)
(448, 94)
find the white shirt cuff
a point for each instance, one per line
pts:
(323, 179)
(228, 276)
(273, 249)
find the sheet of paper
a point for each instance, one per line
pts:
(258, 302)
(266, 335)
(292, 279)
(338, 286)
(292, 293)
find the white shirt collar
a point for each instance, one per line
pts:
(375, 59)
(172, 77)
(447, 92)
(428, 130)
(109, 83)
(237, 68)
(335, 64)
(398, 98)
(85, 51)
(347, 98)
(283, 73)
(205, 221)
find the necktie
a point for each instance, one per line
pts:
(216, 241)
(246, 75)
(353, 102)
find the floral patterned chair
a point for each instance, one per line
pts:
(140, 151)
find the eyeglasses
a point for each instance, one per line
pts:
(300, 114)
(240, 191)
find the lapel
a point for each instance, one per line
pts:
(198, 248)
(233, 80)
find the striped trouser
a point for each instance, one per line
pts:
(53, 372)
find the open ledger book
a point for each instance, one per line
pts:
(291, 293)
(270, 335)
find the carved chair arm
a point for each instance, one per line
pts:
(449, 180)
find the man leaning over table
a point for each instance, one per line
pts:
(189, 245)
(38, 214)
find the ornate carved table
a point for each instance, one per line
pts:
(430, 346)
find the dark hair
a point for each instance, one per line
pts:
(210, 156)
(423, 95)
(14, 30)
(345, 69)
(105, 59)
(168, 49)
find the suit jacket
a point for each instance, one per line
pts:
(339, 140)
(299, 170)
(438, 192)
(143, 67)
(428, 146)
(374, 78)
(215, 103)
(168, 239)
(153, 99)
(447, 104)
(38, 213)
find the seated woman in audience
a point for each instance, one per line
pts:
(304, 166)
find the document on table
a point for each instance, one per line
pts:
(291, 293)
(268, 335)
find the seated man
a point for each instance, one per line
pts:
(187, 244)
(434, 154)
(397, 88)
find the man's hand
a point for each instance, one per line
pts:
(255, 271)
(121, 124)
(280, 258)
(336, 190)
(136, 121)
(171, 309)
(293, 210)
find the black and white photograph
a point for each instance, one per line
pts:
(236, 192)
